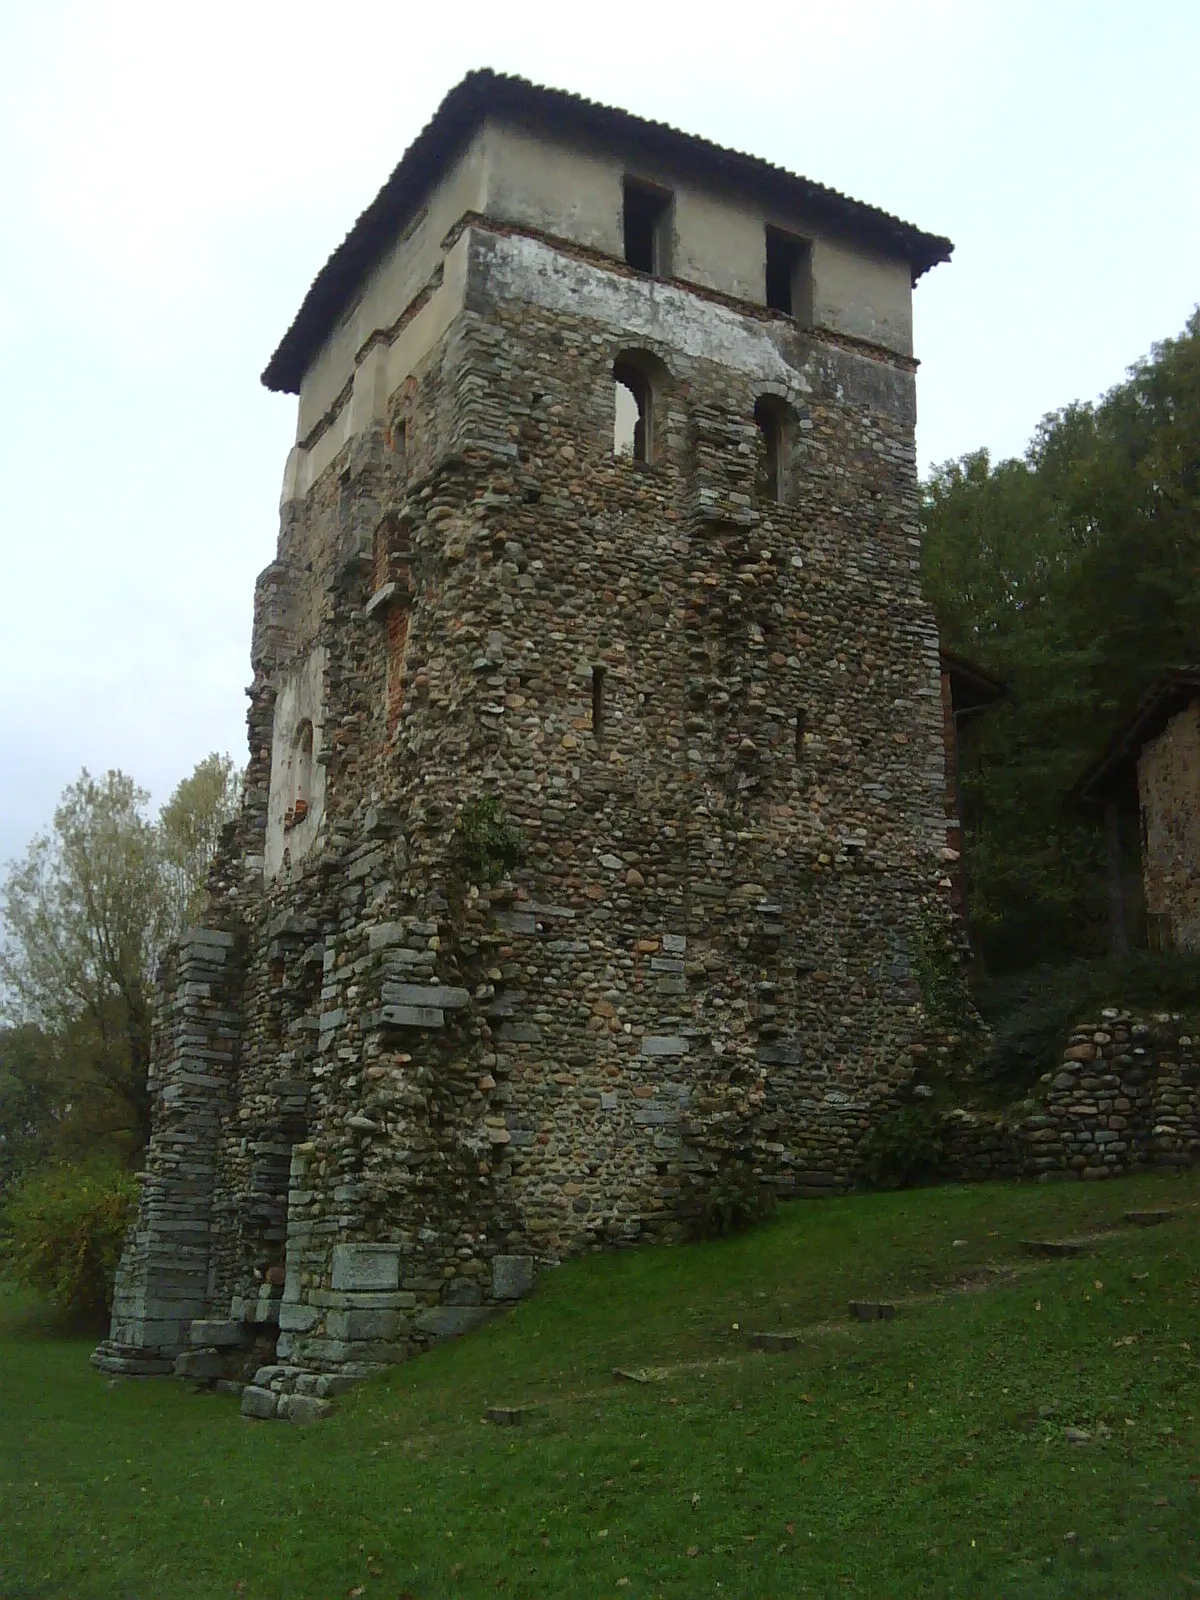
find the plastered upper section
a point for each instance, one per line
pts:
(526, 180)
(1169, 787)
(300, 700)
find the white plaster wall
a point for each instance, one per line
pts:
(301, 698)
(858, 292)
(398, 276)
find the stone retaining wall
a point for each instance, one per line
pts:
(1125, 1096)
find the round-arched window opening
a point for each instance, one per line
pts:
(633, 410)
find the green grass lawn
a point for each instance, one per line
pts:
(923, 1457)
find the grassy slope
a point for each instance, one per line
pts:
(898, 1459)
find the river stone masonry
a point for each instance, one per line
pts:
(704, 702)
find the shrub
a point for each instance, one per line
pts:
(488, 846)
(1033, 1014)
(735, 1201)
(61, 1232)
(903, 1148)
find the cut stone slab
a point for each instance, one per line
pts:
(258, 1402)
(366, 1266)
(448, 1322)
(303, 1408)
(511, 1415)
(227, 1335)
(200, 1364)
(512, 1276)
(872, 1310)
(773, 1343)
(1053, 1247)
(1149, 1219)
(631, 1375)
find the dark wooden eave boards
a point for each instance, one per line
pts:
(1113, 773)
(972, 688)
(485, 94)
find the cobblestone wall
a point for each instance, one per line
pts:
(714, 722)
(1126, 1095)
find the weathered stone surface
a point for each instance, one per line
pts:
(201, 1364)
(301, 1408)
(512, 1276)
(366, 1266)
(448, 1322)
(219, 1334)
(258, 1402)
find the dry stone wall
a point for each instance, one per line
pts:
(713, 721)
(1126, 1095)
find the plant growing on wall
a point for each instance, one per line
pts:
(487, 844)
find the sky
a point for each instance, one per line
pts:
(175, 176)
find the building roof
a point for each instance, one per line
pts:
(485, 94)
(972, 687)
(1168, 695)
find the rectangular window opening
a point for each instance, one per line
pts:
(801, 730)
(789, 275)
(597, 701)
(646, 220)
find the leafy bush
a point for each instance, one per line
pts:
(61, 1232)
(735, 1201)
(488, 845)
(903, 1148)
(1032, 1015)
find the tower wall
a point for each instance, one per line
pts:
(703, 957)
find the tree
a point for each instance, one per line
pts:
(87, 912)
(190, 826)
(1074, 574)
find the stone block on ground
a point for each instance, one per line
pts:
(1149, 1219)
(303, 1408)
(773, 1343)
(512, 1277)
(872, 1310)
(256, 1402)
(1053, 1247)
(201, 1364)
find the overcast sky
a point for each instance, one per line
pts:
(173, 177)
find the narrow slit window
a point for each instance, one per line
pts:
(789, 275)
(597, 700)
(646, 218)
(801, 730)
(631, 412)
(770, 438)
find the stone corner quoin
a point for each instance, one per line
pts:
(389, 1084)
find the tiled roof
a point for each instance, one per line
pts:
(484, 93)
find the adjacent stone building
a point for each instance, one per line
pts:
(596, 766)
(1148, 784)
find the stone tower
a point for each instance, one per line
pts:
(595, 766)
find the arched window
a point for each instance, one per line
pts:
(633, 408)
(302, 775)
(773, 419)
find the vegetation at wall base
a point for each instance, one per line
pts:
(61, 1232)
(1023, 1427)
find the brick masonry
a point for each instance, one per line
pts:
(418, 1086)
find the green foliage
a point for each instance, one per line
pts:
(938, 967)
(903, 1148)
(488, 846)
(1032, 1014)
(86, 913)
(735, 1201)
(189, 831)
(1072, 574)
(61, 1232)
(27, 1101)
